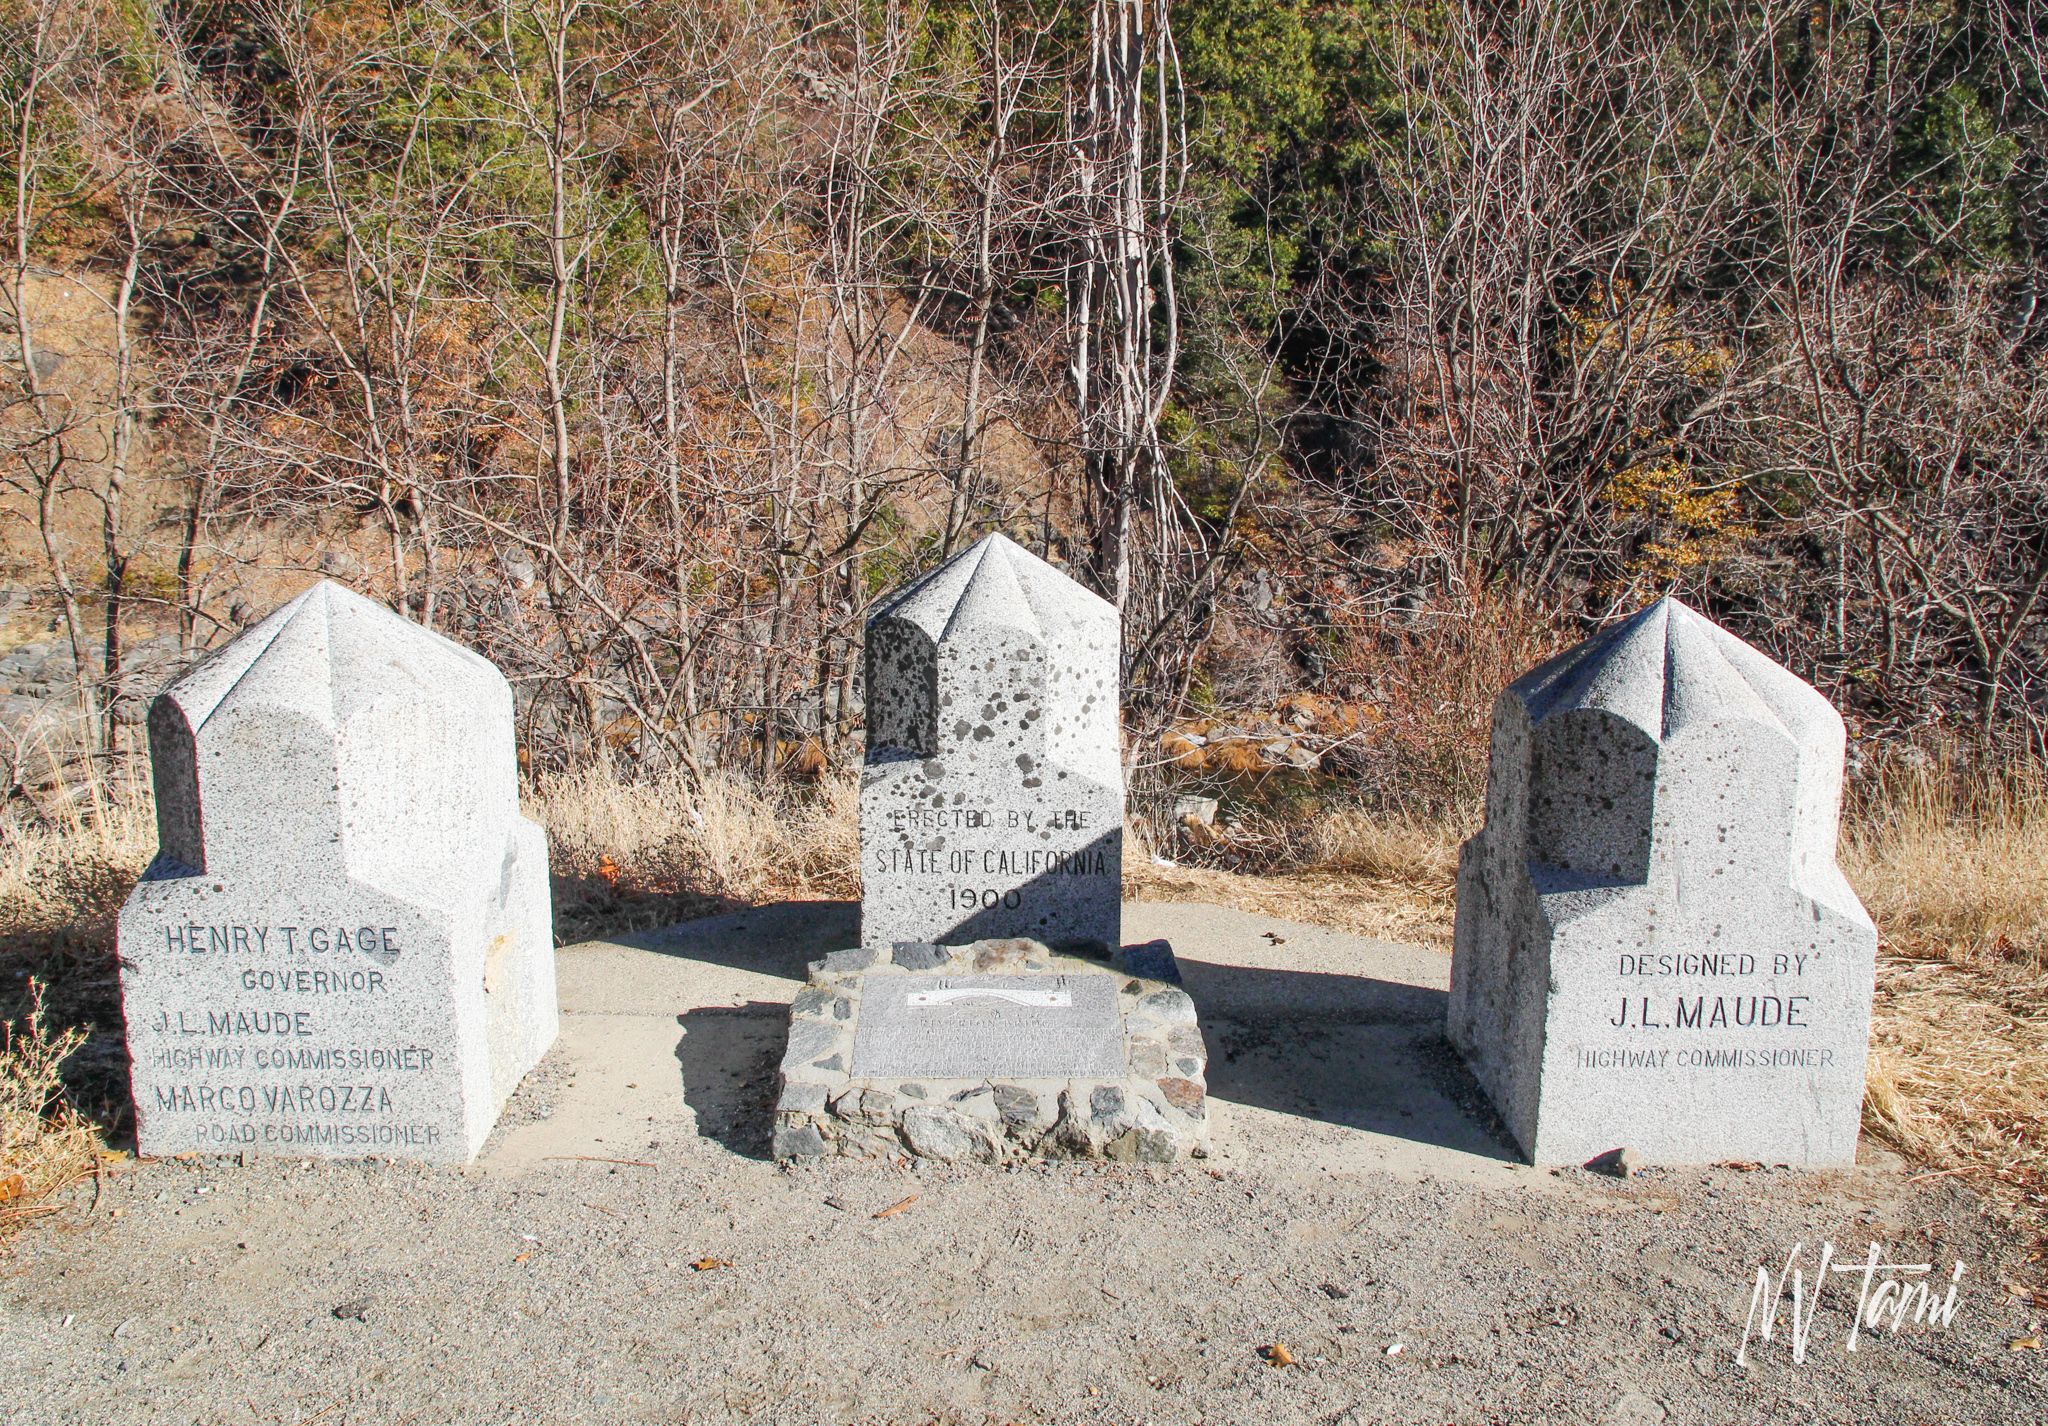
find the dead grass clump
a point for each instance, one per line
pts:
(1397, 847)
(62, 881)
(1434, 679)
(1959, 1076)
(627, 853)
(45, 1145)
(1954, 864)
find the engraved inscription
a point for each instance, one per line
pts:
(1056, 996)
(1684, 1005)
(260, 1043)
(1018, 1026)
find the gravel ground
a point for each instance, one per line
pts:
(1358, 1209)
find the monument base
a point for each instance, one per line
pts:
(993, 1051)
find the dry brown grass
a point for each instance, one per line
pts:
(1955, 872)
(1954, 865)
(45, 1144)
(634, 855)
(61, 884)
(63, 880)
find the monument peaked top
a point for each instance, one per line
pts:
(1668, 667)
(994, 581)
(322, 655)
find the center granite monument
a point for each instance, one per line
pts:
(1655, 948)
(990, 1011)
(343, 947)
(992, 802)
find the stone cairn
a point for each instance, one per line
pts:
(992, 1051)
(343, 947)
(991, 831)
(1655, 947)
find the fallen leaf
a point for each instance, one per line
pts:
(522, 1257)
(1278, 1354)
(895, 1208)
(705, 1265)
(1276, 940)
(2024, 1344)
(608, 869)
(12, 1187)
(1741, 1165)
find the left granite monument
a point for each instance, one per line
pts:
(344, 945)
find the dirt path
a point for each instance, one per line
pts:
(1358, 1209)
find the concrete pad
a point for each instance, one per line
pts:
(1326, 1051)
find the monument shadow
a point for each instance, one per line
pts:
(729, 1055)
(1352, 1050)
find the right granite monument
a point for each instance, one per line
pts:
(1655, 947)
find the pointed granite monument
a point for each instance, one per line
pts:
(1655, 947)
(990, 1012)
(992, 803)
(343, 947)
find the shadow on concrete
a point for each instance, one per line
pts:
(729, 1055)
(778, 938)
(1350, 1050)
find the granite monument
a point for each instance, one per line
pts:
(343, 947)
(1655, 948)
(991, 1012)
(992, 799)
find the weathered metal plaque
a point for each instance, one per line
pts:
(989, 1026)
